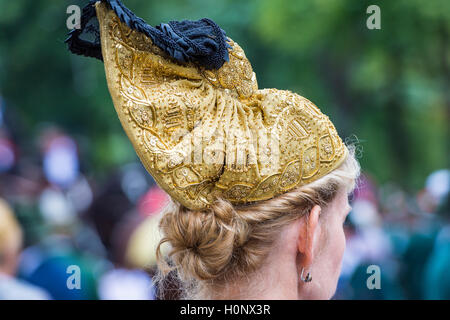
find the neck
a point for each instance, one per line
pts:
(275, 281)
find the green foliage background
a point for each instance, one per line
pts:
(389, 87)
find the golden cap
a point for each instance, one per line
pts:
(204, 134)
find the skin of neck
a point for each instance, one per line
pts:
(277, 279)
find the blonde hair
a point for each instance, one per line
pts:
(10, 232)
(212, 248)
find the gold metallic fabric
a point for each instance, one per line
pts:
(204, 134)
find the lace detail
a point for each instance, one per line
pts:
(202, 42)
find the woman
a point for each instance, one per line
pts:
(289, 247)
(258, 178)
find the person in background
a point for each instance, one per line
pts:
(114, 219)
(10, 248)
(436, 279)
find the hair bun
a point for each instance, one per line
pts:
(203, 241)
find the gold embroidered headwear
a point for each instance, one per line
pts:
(204, 133)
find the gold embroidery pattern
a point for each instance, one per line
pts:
(204, 134)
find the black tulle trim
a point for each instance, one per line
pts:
(202, 41)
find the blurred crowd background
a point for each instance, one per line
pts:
(73, 192)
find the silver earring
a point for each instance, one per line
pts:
(307, 278)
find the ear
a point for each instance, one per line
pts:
(308, 231)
